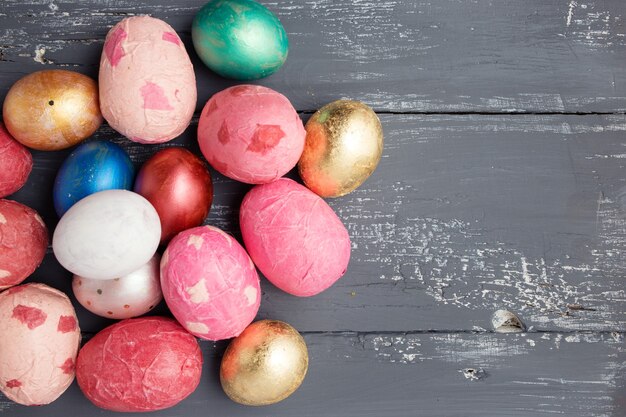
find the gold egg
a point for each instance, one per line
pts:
(344, 143)
(52, 109)
(265, 364)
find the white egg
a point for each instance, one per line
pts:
(107, 235)
(121, 298)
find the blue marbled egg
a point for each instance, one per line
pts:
(91, 167)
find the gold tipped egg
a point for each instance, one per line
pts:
(265, 364)
(52, 109)
(344, 143)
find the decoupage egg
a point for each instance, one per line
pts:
(179, 186)
(107, 235)
(23, 242)
(52, 109)
(344, 143)
(209, 283)
(239, 39)
(147, 84)
(121, 298)
(91, 167)
(139, 365)
(251, 134)
(294, 238)
(16, 163)
(265, 364)
(39, 343)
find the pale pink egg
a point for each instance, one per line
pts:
(294, 238)
(121, 298)
(209, 283)
(251, 134)
(146, 81)
(39, 343)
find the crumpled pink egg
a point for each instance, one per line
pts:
(146, 81)
(209, 283)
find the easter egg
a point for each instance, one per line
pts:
(344, 143)
(107, 235)
(121, 298)
(23, 242)
(251, 134)
(265, 364)
(209, 283)
(179, 186)
(139, 365)
(91, 167)
(16, 163)
(39, 343)
(147, 84)
(239, 39)
(294, 238)
(52, 109)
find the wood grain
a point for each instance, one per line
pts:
(399, 56)
(475, 207)
(466, 214)
(442, 374)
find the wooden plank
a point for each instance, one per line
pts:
(433, 375)
(400, 56)
(465, 215)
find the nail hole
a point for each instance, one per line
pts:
(51, 102)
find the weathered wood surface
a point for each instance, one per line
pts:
(466, 214)
(429, 56)
(400, 375)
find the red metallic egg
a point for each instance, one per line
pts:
(16, 163)
(179, 186)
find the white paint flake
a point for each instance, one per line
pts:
(196, 241)
(4, 273)
(198, 293)
(198, 328)
(570, 13)
(3, 220)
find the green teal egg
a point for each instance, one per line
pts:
(239, 39)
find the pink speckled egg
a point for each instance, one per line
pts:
(23, 242)
(121, 298)
(139, 365)
(251, 134)
(147, 84)
(39, 343)
(209, 283)
(294, 238)
(16, 163)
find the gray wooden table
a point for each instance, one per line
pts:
(502, 185)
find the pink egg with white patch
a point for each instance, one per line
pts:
(210, 283)
(39, 343)
(23, 242)
(251, 134)
(294, 238)
(146, 82)
(121, 298)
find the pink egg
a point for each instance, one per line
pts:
(23, 242)
(16, 163)
(139, 365)
(251, 134)
(121, 298)
(39, 343)
(209, 283)
(146, 81)
(294, 238)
